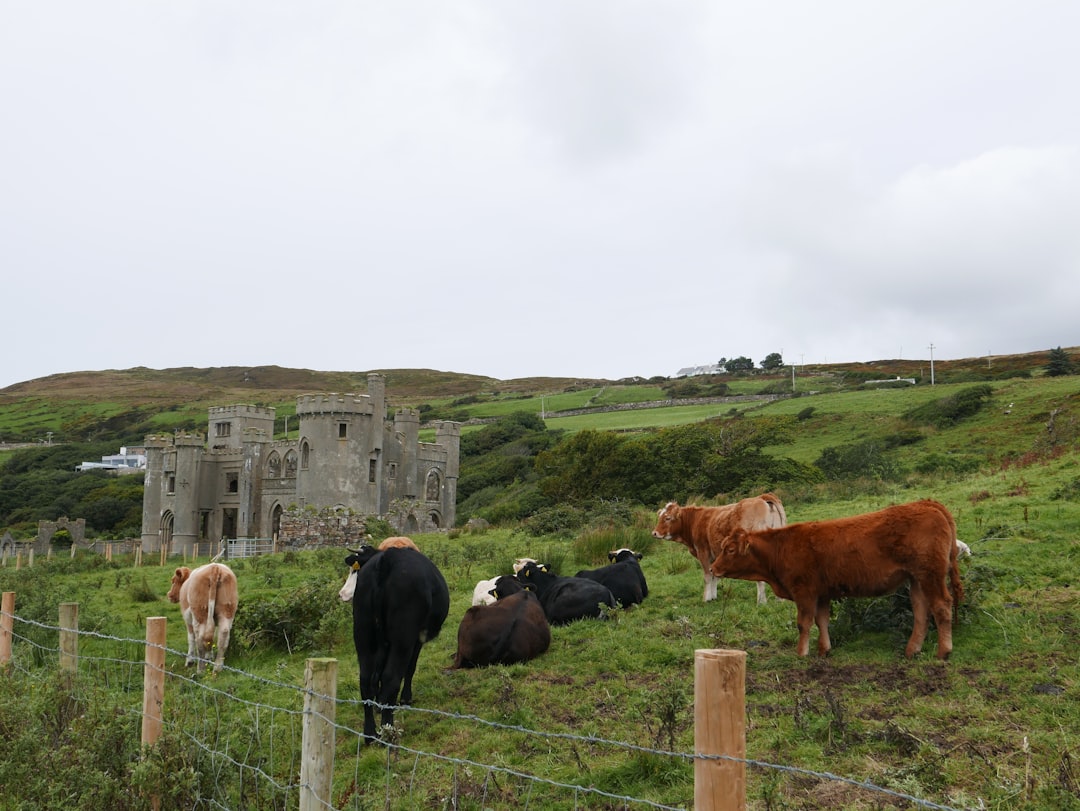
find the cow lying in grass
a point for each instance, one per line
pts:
(815, 562)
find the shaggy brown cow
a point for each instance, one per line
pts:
(703, 529)
(208, 596)
(514, 629)
(815, 562)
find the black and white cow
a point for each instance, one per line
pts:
(400, 601)
(623, 576)
(565, 599)
(512, 629)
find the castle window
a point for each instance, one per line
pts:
(290, 465)
(232, 482)
(305, 455)
(371, 470)
(170, 486)
(434, 485)
(223, 429)
(343, 430)
(391, 470)
(273, 466)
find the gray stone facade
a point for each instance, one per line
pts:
(239, 482)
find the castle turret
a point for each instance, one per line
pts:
(448, 435)
(153, 490)
(339, 447)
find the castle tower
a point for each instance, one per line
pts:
(153, 490)
(228, 424)
(339, 448)
(184, 482)
(448, 435)
(407, 432)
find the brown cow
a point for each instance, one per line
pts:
(815, 562)
(703, 529)
(208, 596)
(513, 629)
(397, 542)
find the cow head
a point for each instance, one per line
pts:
(520, 562)
(668, 522)
(178, 579)
(734, 547)
(618, 555)
(532, 572)
(505, 585)
(355, 559)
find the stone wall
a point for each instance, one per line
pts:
(307, 528)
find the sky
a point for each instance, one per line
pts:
(565, 188)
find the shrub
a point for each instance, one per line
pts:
(948, 411)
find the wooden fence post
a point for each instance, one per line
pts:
(319, 738)
(7, 623)
(69, 636)
(153, 688)
(153, 680)
(719, 729)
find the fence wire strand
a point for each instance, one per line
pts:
(248, 762)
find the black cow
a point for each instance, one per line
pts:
(400, 602)
(623, 576)
(505, 585)
(512, 629)
(566, 599)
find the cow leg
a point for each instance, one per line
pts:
(367, 694)
(821, 617)
(919, 628)
(804, 618)
(406, 686)
(224, 631)
(191, 652)
(942, 607)
(710, 584)
(396, 669)
(762, 595)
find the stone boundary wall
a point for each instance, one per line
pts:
(682, 401)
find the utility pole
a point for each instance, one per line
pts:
(931, 364)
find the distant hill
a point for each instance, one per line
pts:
(109, 404)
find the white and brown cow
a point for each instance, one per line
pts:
(815, 562)
(208, 599)
(703, 529)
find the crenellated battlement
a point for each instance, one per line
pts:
(313, 405)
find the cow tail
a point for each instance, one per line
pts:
(211, 596)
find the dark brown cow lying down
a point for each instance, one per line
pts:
(815, 562)
(510, 630)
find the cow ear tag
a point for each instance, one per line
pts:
(355, 566)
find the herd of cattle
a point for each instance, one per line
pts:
(400, 599)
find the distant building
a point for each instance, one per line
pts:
(129, 460)
(346, 457)
(709, 369)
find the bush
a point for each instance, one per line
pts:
(948, 411)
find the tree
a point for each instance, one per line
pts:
(1059, 363)
(739, 364)
(772, 362)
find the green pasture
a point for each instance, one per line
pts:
(994, 727)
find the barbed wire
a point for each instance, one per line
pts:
(418, 753)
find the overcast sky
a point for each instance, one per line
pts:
(514, 189)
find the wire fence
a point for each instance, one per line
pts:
(247, 753)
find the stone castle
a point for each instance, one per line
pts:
(239, 482)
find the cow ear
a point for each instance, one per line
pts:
(544, 568)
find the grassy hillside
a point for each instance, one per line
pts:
(997, 726)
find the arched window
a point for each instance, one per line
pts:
(273, 465)
(290, 465)
(305, 455)
(433, 486)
